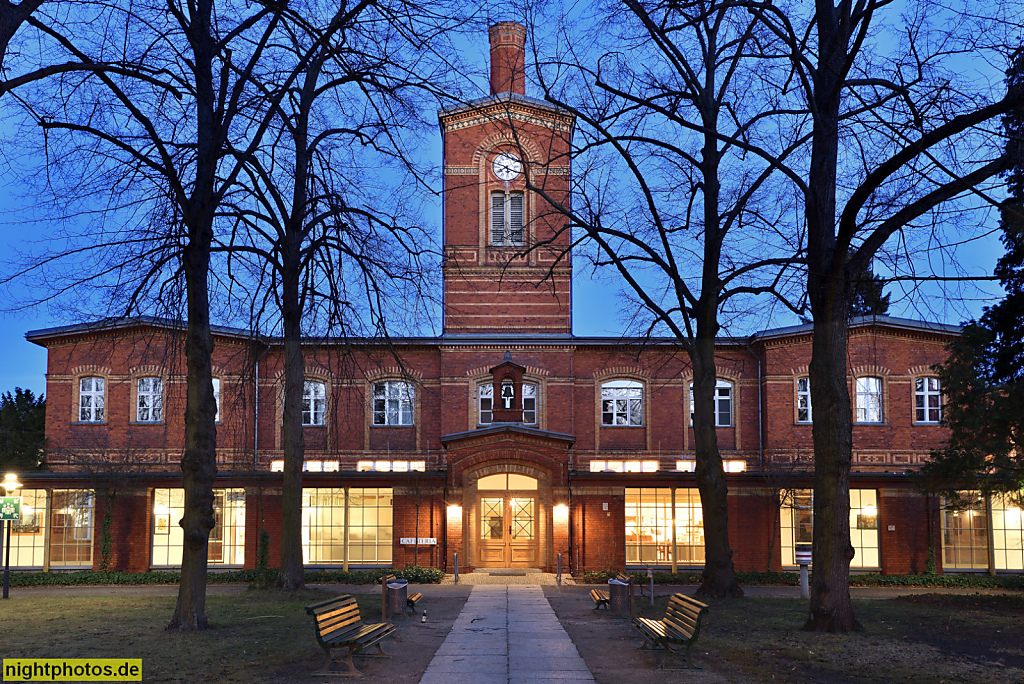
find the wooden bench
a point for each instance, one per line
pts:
(338, 625)
(601, 597)
(410, 599)
(679, 627)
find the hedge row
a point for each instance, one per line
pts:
(928, 579)
(88, 577)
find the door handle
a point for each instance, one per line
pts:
(510, 530)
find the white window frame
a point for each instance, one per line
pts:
(868, 395)
(625, 399)
(927, 400)
(505, 230)
(91, 401)
(485, 403)
(216, 398)
(804, 409)
(314, 402)
(149, 400)
(723, 397)
(394, 403)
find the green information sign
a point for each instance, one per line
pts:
(10, 508)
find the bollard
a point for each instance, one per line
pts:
(559, 575)
(803, 559)
(456, 568)
(650, 578)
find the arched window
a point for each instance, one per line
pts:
(869, 400)
(927, 400)
(622, 402)
(723, 403)
(91, 400)
(393, 403)
(314, 402)
(149, 400)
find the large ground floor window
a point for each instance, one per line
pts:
(55, 530)
(966, 532)
(227, 538)
(650, 519)
(797, 522)
(352, 525)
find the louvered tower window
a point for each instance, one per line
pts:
(507, 219)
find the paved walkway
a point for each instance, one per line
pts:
(507, 635)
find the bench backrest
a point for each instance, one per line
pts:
(683, 615)
(337, 615)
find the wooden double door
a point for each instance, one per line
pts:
(508, 530)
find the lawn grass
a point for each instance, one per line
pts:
(253, 635)
(921, 639)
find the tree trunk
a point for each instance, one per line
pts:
(199, 463)
(829, 293)
(291, 575)
(719, 577)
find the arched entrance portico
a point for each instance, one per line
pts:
(508, 511)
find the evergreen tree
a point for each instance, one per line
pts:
(22, 431)
(983, 380)
(868, 298)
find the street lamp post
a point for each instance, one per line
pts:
(9, 484)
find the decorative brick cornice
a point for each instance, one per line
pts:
(506, 113)
(461, 170)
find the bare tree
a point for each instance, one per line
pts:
(896, 133)
(159, 134)
(680, 196)
(323, 254)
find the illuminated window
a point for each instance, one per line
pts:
(927, 400)
(392, 403)
(71, 528)
(28, 535)
(624, 466)
(649, 522)
(803, 400)
(622, 403)
(964, 533)
(686, 466)
(1008, 531)
(227, 538)
(277, 466)
(91, 400)
(797, 519)
(368, 528)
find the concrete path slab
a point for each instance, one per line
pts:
(507, 634)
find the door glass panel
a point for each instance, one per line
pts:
(522, 518)
(492, 518)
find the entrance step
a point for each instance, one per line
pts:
(511, 572)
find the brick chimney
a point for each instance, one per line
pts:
(508, 58)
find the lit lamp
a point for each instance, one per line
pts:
(10, 511)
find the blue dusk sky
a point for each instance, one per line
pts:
(599, 308)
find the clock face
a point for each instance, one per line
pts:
(507, 166)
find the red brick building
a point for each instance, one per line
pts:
(507, 440)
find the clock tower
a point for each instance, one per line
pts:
(507, 266)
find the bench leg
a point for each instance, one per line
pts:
(673, 652)
(379, 654)
(352, 670)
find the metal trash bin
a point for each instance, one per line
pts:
(398, 591)
(618, 596)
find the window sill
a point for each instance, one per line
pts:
(313, 425)
(146, 422)
(622, 426)
(804, 422)
(932, 423)
(376, 425)
(88, 422)
(871, 423)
